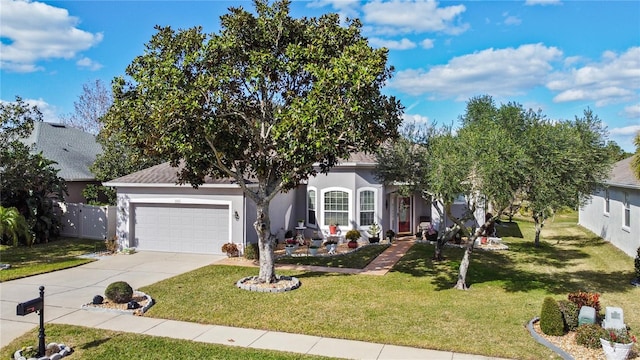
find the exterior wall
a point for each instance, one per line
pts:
(127, 196)
(610, 226)
(351, 180)
(281, 215)
(74, 188)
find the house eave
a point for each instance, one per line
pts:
(169, 185)
(626, 186)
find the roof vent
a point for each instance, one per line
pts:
(59, 125)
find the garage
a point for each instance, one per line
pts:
(189, 228)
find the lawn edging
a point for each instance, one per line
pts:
(544, 341)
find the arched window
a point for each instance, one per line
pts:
(336, 207)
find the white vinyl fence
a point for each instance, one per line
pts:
(87, 221)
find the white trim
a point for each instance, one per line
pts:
(375, 206)
(172, 185)
(626, 207)
(342, 227)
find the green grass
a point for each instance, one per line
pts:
(415, 305)
(42, 258)
(354, 260)
(90, 343)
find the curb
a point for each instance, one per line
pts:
(544, 341)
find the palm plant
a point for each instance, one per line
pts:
(13, 225)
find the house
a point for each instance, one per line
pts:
(72, 149)
(154, 213)
(613, 212)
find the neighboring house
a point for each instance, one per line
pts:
(72, 149)
(156, 214)
(614, 211)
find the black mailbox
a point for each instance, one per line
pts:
(29, 306)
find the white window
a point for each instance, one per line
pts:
(367, 207)
(335, 207)
(311, 207)
(627, 211)
(606, 201)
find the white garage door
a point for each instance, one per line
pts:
(181, 228)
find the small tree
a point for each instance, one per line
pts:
(14, 227)
(635, 163)
(637, 264)
(91, 106)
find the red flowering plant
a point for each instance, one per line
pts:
(620, 336)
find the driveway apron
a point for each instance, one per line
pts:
(67, 290)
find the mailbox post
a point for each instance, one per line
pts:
(35, 305)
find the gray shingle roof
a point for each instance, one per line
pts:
(164, 174)
(74, 150)
(621, 174)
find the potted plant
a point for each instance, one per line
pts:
(288, 235)
(617, 344)
(316, 239)
(290, 244)
(230, 249)
(374, 232)
(331, 245)
(390, 234)
(300, 223)
(333, 228)
(353, 236)
(313, 250)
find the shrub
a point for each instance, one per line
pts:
(111, 244)
(570, 314)
(589, 335)
(581, 298)
(637, 262)
(119, 292)
(551, 322)
(353, 235)
(252, 251)
(230, 248)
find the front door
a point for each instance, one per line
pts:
(404, 214)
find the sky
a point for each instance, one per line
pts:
(558, 56)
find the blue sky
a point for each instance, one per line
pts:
(558, 56)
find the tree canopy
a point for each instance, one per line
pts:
(261, 102)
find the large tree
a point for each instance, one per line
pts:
(28, 182)
(565, 162)
(260, 102)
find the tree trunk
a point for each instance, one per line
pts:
(538, 220)
(266, 243)
(464, 267)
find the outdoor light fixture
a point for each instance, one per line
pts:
(236, 215)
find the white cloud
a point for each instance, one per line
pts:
(36, 31)
(413, 16)
(403, 44)
(87, 63)
(427, 43)
(543, 2)
(345, 8)
(498, 72)
(49, 112)
(632, 111)
(415, 118)
(512, 20)
(625, 131)
(616, 78)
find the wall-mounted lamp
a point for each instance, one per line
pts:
(236, 215)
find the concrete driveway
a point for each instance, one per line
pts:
(67, 290)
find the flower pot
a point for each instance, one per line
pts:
(331, 248)
(374, 239)
(290, 249)
(313, 251)
(316, 242)
(300, 224)
(615, 351)
(333, 229)
(352, 244)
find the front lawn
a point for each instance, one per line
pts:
(414, 305)
(42, 258)
(90, 343)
